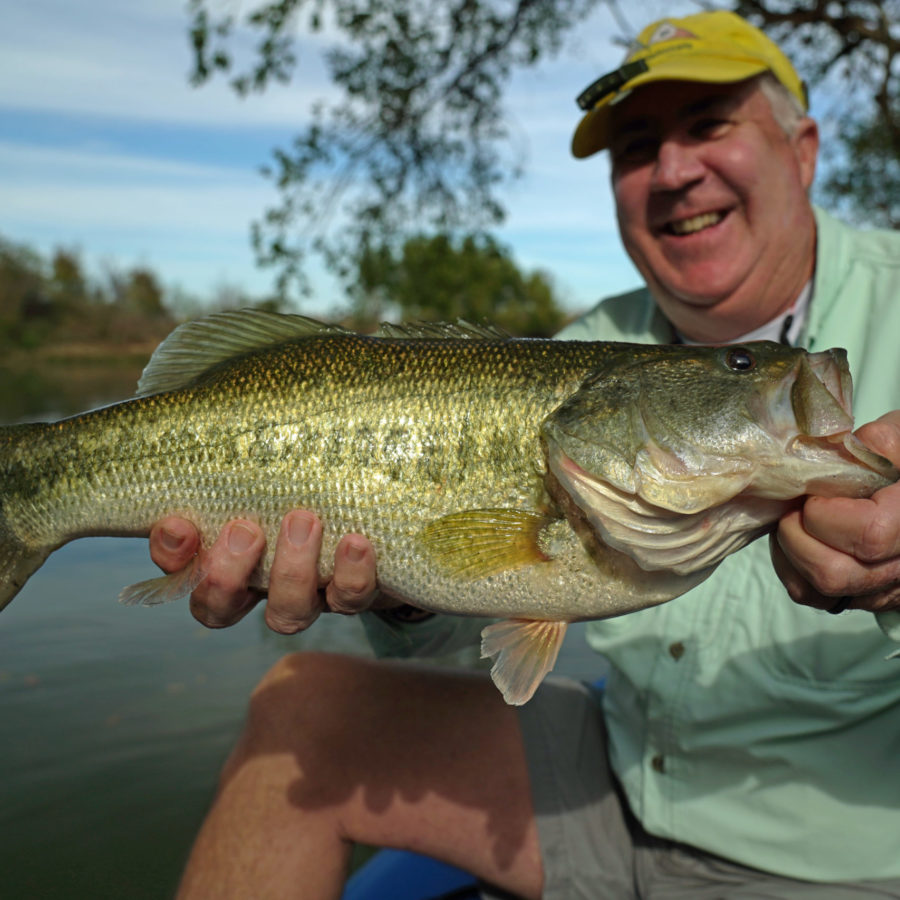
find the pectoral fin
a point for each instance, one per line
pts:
(480, 542)
(165, 589)
(524, 652)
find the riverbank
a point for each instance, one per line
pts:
(62, 379)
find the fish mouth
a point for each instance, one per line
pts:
(822, 394)
(693, 224)
(815, 417)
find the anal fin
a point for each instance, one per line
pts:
(524, 652)
(166, 588)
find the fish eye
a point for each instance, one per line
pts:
(739, 359)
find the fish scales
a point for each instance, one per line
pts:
(352, 428)
(538, 482)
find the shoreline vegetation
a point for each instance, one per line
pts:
(62, 380)
(70, 341)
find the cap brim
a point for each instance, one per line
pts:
(592, 133)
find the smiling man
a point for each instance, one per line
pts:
(706, 184)
(745, 743)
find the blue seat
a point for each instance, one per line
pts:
(401, 875)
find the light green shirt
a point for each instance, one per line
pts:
(740, 722)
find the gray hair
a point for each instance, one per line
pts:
(786, 108)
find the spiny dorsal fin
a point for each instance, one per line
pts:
(196, 346)
(440, 330)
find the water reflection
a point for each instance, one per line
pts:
(115, 720)
(50, 387)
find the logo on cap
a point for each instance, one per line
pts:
(665, 31)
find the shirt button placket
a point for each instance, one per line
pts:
(658, 760)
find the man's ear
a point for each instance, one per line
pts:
(805, 141)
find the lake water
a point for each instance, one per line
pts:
(115, 721)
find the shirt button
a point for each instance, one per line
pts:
(659, 763)
(676, 650)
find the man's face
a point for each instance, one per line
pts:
(712, 203)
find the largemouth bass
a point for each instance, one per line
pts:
(538, 482)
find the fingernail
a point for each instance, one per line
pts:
(298, 530)
(169, 539)
(240, 538)
(355, 553)
(283, 625)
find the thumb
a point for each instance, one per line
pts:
(883, 436)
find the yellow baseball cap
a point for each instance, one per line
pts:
(718, 47)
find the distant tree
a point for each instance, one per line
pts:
(864, 181)
(853, 45)
(140, 292)
(230, 296)
(54, 300)
(438, 279)
(23, 296)
(72, 298)
(416, 138)
(67, 280)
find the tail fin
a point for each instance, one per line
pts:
(18, 559)
(18, 563)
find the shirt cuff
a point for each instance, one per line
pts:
(437, 637)
(889, 623)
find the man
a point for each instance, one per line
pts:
(747, 744)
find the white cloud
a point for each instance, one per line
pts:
(132, 60)
(96, 163)
(187, 221)
(107, 72)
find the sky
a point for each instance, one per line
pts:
(106, 149)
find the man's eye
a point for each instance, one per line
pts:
(639, 149)
(709, 127)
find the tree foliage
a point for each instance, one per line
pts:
(432, 278)
(416, 138)
(865, 181)
(43, 301)
(413, 137)
(854, 47)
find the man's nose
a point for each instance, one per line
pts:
(677, 165)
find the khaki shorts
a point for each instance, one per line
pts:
(593, 848)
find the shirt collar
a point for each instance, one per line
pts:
(785, 328)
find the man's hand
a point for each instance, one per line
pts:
(295, 596)
(835, 548)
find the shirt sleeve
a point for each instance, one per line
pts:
(437, 638)
(889, 623)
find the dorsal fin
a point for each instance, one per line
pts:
(196, 346)
(438, 330)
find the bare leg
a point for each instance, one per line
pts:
(340, 750)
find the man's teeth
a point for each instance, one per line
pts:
(695, 223)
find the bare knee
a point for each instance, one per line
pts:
(306, 677)
(301, 694)
(300, 710)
